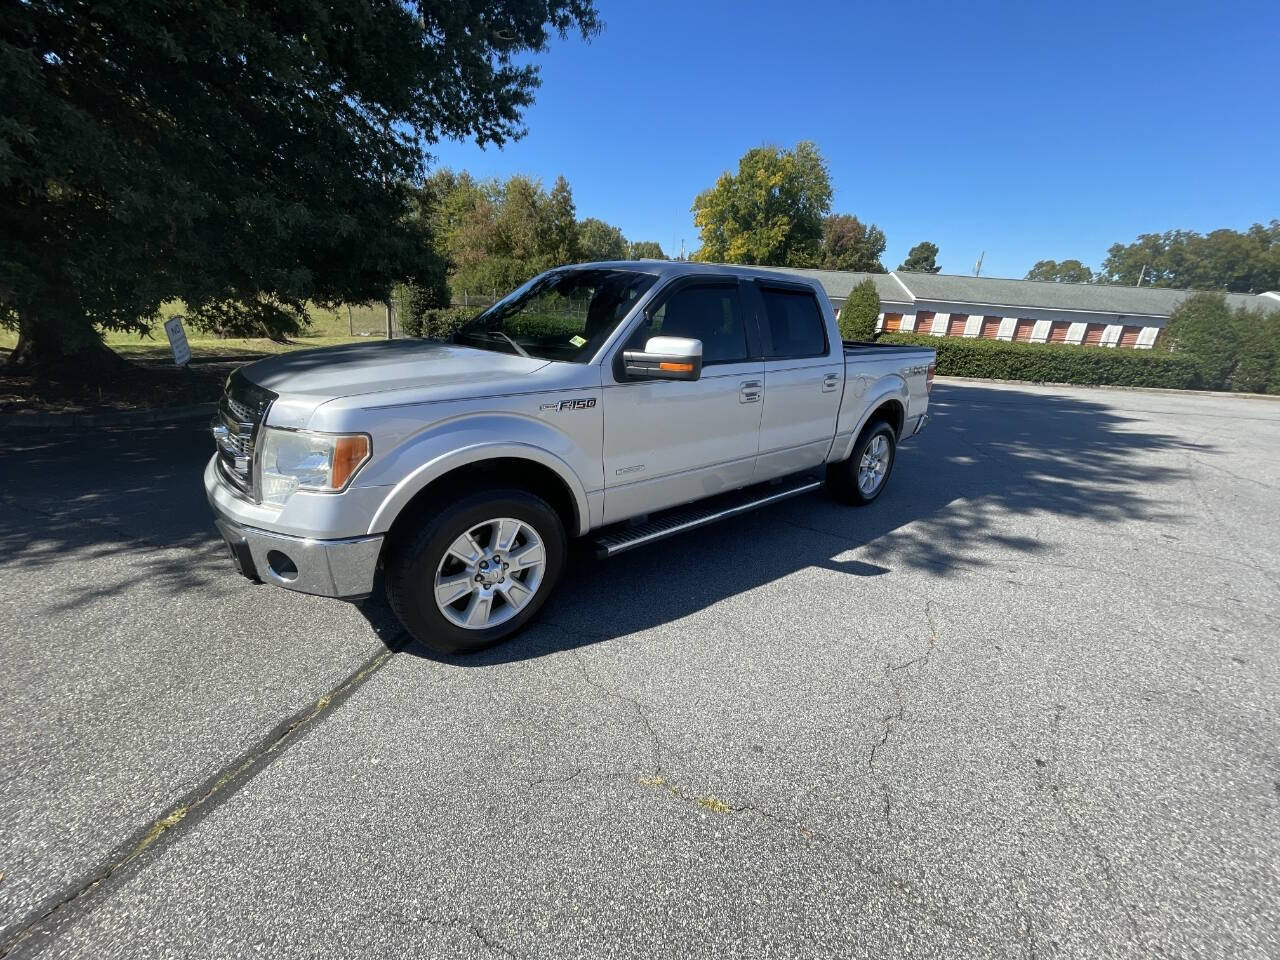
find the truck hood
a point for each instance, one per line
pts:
(360, 368)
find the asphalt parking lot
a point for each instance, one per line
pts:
(1024, 705)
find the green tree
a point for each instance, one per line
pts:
(770, 212)
(598, 240)
(1201, 327)
(495, 235)
(849, 244)
(647, 250)
(858, 314)
(560, 241)
(1258, 368)
(243, 157)
(922, 258)
(1068, 271)
(1231, 260)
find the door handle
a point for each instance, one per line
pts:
(830, 382)
(750, 392)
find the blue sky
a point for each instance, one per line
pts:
(1028, 130)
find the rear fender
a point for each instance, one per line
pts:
(854, 418)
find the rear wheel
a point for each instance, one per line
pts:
(862, 477)
(477, 571)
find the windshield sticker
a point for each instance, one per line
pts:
(577, 341)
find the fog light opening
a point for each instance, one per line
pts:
(281, 565)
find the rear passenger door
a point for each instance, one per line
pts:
(802, 378)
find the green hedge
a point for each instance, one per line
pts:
(1054, 363)
(436, 323)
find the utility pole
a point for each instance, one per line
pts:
(351, 323)
(389, 316)
(977, 267)
(1141, 273)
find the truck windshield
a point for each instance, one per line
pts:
(565, 315)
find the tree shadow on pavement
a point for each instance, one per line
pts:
(989, 456)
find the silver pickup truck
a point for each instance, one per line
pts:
(622, 401)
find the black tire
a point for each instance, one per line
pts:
(413, 562)
(842, 477)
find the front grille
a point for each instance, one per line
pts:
(235, 430)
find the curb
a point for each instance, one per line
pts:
(124, 418)
(1171, 391)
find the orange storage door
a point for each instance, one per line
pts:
(990, 327)
(1058, 332)
(1022, 332)
(1093, 334)
(955, 325)
(1129, 336)
(892, 322)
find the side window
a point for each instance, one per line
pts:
(709, 313)
(793, 324)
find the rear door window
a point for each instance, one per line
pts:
(793, 324)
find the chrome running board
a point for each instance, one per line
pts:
(618, 539)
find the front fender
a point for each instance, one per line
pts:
(446, 446)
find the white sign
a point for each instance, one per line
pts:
(178, 341)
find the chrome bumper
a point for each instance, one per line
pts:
(327, 568)
(923, 422)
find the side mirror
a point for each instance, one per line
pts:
(665, 358)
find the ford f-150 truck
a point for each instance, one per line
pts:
(625, 401)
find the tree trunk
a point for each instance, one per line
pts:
(52, 345)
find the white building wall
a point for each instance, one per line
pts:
(908, 323)
(940, 321)
(1147, 338)
(1111, 335)
(1075, 332)
(1007, 327)
(973, 325)
(1040, 332)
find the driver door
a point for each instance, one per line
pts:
(668, 442)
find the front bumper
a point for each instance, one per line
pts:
(327, 568)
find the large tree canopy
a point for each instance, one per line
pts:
(598, 240)
(850, 244)
(245, 157)
(647, 250)
(1231, 260)
(770, 212)
(922, 258)
(1068, 271)
(495, 234)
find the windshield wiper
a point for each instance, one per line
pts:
(515, 346)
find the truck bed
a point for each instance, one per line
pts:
(867, 347)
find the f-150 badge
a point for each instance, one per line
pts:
(581, 403)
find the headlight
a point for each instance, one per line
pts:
(295, 460)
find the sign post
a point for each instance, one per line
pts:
(178, 341)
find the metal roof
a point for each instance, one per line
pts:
(838, 283)
(1048, 295)
(905, 288)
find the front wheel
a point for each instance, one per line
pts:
(477, 571)
(862, 477)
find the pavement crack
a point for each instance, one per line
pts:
(623, 698)
(222, 785)
(1083, 833)
(898, 715)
